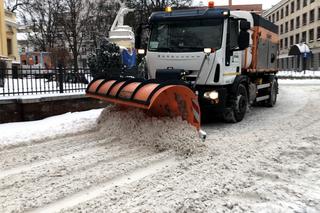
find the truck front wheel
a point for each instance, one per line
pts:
(239, 105)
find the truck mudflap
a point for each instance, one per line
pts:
(170, 98)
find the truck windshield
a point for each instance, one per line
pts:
(186, 36)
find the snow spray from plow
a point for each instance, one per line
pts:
(158, 99)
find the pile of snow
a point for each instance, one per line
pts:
(14, 134)
(295, 82)
(133, 125)
(162, 133)
(308, 74)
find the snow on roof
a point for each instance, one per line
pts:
(22, 36)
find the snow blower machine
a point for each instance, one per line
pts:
(201, 60)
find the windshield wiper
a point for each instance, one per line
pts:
(162, 49)
(177, 49)
(191, 48)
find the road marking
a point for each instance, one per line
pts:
(96, 191)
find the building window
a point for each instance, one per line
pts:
(305, 3)
(297, 38)
(298, 4)
(311, 35)
(292, 24)
(304, 19)
(286, 28)
(298, 22)
(277, 16)
(287, 10)
(291, 40)
(312, 61)
(286, 43)
(292, 7)
(281, 12)
(281, 44)
(318, 33)
(269, 18)
(36, 59)
(273, 18)
(319, 13)
(9, 46)
(312, 16)
(281, 29)
(304, 36)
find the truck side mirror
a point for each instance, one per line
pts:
(243, 40)
(245, 25)
(244, 36)
(138, 35)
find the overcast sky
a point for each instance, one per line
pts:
(266, 3)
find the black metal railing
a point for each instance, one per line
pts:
(31, 81)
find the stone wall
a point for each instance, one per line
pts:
(36, 108)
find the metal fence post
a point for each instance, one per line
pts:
(60, 70)
(3, 66)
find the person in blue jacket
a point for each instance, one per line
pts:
(129, 57)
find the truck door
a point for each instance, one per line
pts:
(233, 58)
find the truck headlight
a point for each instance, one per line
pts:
(212, 95)
(141, 51)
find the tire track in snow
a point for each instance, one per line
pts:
(32, 142)
(75, 156)
(51, 188)
(96, 191)
(45, 151)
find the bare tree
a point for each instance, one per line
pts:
(103, 16)
(13, 5)
(74, 19)
(41, 16)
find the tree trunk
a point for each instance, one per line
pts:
(75, 61)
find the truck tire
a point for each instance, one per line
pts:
(238, 107)
(271, 102)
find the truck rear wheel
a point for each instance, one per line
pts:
(273, 93)
(238, 107)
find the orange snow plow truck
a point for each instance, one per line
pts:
(201, 62)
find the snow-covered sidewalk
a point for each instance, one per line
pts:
(13, 134)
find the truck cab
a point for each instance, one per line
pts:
(214, 51)
(202, 42)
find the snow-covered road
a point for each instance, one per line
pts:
(270, 162)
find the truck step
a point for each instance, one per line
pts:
(262, 98)
(263, 86)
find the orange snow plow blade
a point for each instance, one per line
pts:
(158, 99)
